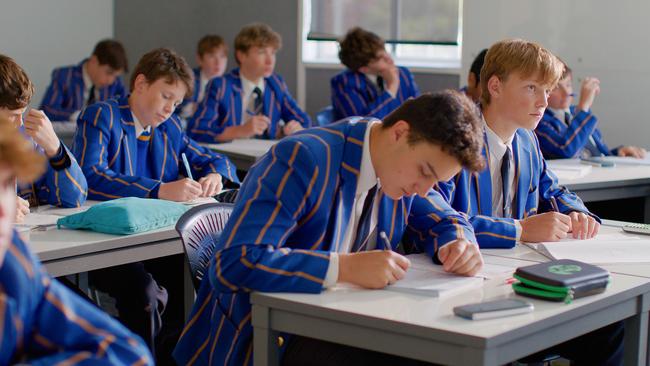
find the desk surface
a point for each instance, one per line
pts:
(243, 152)
(425, 328)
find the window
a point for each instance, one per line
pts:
(420, 33)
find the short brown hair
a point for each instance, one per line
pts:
(16, 89)
(209, 43)
(521, 56)
(359, 47)
(448, 119)
(256, 35)
(18, 154)
(164, 63)
(111, 53)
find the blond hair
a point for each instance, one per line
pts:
(256, 35)
(18, 154)
(523, 57)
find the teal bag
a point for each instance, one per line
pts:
(125, 216)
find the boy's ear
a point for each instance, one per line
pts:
(140, 82)
(494, 86)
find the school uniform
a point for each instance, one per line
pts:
(200, 82)
(226, 104)
(62, 185)
(118, 163)
(43, 323)
(70, 90)
(358, 94)
(530, 188)
(301, 204)
(569, 134)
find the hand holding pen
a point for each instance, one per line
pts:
(181, 190)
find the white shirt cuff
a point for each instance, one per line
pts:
(332, 275)
(517, 230)
(74, 116)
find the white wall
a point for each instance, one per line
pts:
(606, 39)
(42, 35)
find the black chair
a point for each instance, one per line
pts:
(200, 228)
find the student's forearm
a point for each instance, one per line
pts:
(231, 133)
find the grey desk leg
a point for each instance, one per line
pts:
(188, 291)
(636, 335)
(265, 347)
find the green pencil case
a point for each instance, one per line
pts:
(560, 280)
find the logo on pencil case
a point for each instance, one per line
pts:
(564, 269)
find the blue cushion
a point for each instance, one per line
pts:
(126, 216)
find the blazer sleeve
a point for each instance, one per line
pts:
(251, 255)
(290, 109)
(55, 95)
(566, 142)
(207, 123)
(90, 148)
(349, 99)
(62, 185)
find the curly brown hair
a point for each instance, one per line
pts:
(16, 89)
(447, 118)
(359, 47)
(18, 154)
(256, 35)
(164, 63)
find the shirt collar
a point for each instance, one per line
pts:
(496, 146)
(367, 175)
(559, 113)
(139, 129)
(88, 83)
(371, 77)
(248, 86)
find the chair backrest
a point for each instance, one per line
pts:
(325, 116)
(200, 228)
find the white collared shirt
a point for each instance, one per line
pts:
(203, 82)
(367, 179)
(560, 114)
(139, 129)
(373, 79)
(88, 83)
(247, 87)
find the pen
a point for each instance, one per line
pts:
(187, 166)
(384, 238)
(554, 204)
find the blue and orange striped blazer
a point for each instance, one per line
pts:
(65, 94)
(195, 95)
(44, 323)
(107, 150)
(292, 211)
(471, 193)
(222, 107)
(561, 141)
(354, 95)
(62, 185)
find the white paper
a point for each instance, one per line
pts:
(570, 172)
(604, 248)
(200, 201)
(626, 160)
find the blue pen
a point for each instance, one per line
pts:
(187, 166)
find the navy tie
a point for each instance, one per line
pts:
(91, 96)
(363, 229)
(505, 181)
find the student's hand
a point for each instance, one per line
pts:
(583, 226)
(291, 128)
(22, 209)
(39, 128)
(461, 257)
(391, 80)
(590, 88)
(372, 269)
(256, 125)
(181, 190)
(548, 226)
(211, 184)
(633, 151)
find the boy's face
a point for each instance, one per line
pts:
(14, 116)
(213, 63)
(380, 64)
(413, 169)
(7, 207)
(519, 101)
(157, 101)
(101, 75)
(257, 62)
(562, 96)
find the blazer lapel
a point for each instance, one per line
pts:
(483, 183)
(129, 143)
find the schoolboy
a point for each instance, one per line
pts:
(372, 85)
(251, 101)
(94, 79)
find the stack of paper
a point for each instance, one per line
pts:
(603, 249)
(626, 160)
(569, 172)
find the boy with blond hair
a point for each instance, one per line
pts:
(212, 58)
(44, 322)
(517, 198)
(251, 101)
(63, 184)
